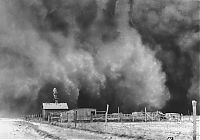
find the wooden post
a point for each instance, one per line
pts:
(106, 118)
(106, 115)
(49, 118)
(40, 117)
(194, 103)
(118, 114)
(145, 111)
(75, 118)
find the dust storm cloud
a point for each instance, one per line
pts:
(96, 52)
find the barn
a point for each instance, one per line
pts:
(48, 108)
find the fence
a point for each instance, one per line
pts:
(166, 128)
(140, 130)
(33, 117)
(115, 117)
(156, 123)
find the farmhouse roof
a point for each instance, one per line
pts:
(55, 106)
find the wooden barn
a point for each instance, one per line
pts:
(80, 114)
(49, 108)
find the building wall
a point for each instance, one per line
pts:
(46, 112)
(84, 114)
(81, 114)
(71, 115)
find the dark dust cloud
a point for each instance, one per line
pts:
(98, 52)
(172, 29)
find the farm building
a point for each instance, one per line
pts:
(48, 108)
(173, 116)
(80, 114)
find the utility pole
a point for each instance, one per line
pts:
(194, 103)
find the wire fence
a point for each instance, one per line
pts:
(181, 129)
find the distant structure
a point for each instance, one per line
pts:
(49, 108)
(78, 115)
(173, 116)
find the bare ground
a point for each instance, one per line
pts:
(182, 130)
(13, 128)
(21, 129)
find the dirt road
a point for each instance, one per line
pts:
(20, 129)
(13, 128)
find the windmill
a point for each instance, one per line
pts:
(55, 95)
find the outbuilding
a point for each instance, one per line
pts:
(79, 114)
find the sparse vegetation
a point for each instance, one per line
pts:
(139, 130)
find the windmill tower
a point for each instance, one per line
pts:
(55, 95)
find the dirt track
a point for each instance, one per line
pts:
(20, 129)
(13, 128)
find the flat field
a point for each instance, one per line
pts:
(21, 129)
(182, 130)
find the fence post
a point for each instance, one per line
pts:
(194, 103)
(145, 111)
(118, 114)
(106, 117)
(48, 118)
(75, 118)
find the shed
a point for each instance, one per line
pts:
(48, 108)
(84, 114)
(80, 114)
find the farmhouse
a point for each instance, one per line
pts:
(48, 108)
(53, 108)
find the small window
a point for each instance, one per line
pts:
(93, 113)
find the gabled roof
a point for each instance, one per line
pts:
(55, 106)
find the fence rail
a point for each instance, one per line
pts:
(137, 116)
